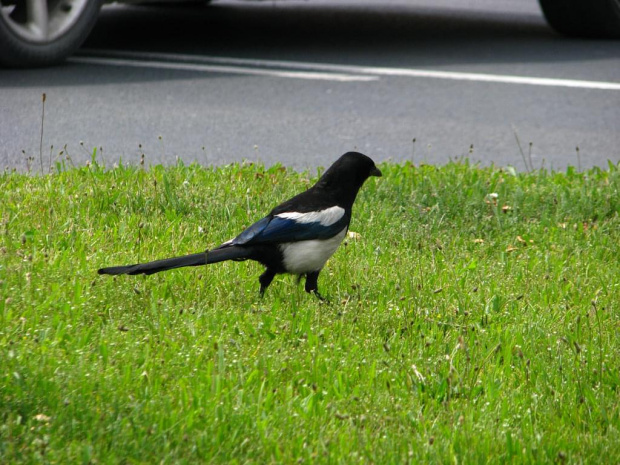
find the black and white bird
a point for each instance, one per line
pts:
(296, 237)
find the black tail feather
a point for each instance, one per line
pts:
(228, 253)
(197, 259)
(158, 265)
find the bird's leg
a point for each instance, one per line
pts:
(265, 280)
(312, 284)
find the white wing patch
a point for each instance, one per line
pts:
(326, 217)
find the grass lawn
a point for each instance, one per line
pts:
(474, 318)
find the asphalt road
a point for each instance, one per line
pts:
(301, 82)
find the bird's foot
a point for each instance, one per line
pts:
(321, 298)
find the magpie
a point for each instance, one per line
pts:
(296, 237)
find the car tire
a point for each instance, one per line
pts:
(44, 33)
(583, 18)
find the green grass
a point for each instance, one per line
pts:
(463, 328)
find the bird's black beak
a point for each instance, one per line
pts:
(376, 172)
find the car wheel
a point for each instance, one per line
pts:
(583, 18)
(43, 32)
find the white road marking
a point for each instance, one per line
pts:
(499, 78)
(305, 70)
(219, 69)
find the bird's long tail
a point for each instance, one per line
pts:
(197, 259)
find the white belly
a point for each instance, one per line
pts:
(307, 256)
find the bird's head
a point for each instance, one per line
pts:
(348, 174)
(352, 166)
